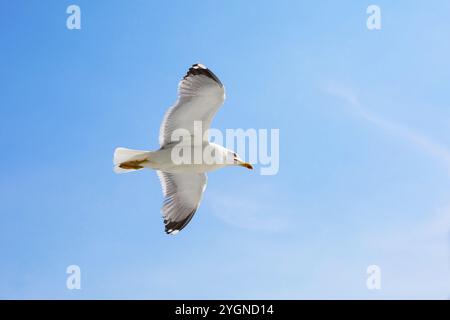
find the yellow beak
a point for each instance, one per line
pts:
(246, 164)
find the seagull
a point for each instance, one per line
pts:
(200, 95)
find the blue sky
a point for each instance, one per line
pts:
(364, 121)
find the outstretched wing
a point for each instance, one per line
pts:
(200, 95)
(182, 193)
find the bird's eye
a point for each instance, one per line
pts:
(235, 155)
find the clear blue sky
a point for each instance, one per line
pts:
(364, 119)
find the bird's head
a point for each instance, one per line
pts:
(237, 161)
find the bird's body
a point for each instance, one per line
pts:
(184, 156)
(163, 159)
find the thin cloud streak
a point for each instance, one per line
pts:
(247, 213)
(429, 146)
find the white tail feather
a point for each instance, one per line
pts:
(122, 155)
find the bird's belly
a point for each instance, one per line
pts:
(166, 160)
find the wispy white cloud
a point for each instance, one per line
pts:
(247, 212)
(426, 144)
(415, 254)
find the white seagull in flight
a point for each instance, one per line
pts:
(200, 95)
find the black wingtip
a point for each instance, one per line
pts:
(173, 227)
(200, 69)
